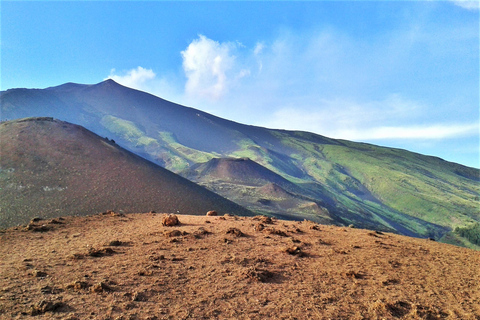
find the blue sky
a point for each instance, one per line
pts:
(395, 73)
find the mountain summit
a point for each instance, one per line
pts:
(347, 182)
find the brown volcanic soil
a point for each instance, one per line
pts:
(114, 266)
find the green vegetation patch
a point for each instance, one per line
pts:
(248, 149)
(405, 183)
(471, 233)
(127, 130)
(179, 151)
(457, 240)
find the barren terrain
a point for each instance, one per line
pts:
(115, 266)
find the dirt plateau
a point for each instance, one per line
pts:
(117, 266)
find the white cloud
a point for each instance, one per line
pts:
(134, 78)
(165, 86)
(258, 48)
(426, 132)
(322, 81)
(468, 4)
(375, 120)
(210, 68)
(410, 81)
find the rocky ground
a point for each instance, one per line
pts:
(115, 266)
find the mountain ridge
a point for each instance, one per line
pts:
(365, 185)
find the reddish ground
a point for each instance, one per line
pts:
(115, 266)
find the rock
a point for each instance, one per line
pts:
(39, 274)
(236, 232)
(35, 228)
(353, 274)
(275, 231)
(297, 251)
(55, 221)
(139, 296)
(45, 306)
(173, 233)
(264, 219)
(170, 220)
(36, 219)
(115, 243)
(101, 287)
(259, 227)
(92, 252)
(46, 290)
(212, 213)
(77, 256)
(79, 285)
(112, 213)
(200, 233)
(256, 274)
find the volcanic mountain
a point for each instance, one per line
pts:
(361, 184)
(51, 168)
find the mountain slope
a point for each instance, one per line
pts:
(361, 184)
(50, 168)
(236, 170)
(262, 190)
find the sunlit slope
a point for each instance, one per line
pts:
(346, 182)
(423, 187)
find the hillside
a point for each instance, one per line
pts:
(241, 170)
(118, 266)
(252, 185)
(365, 185)
(51, 168)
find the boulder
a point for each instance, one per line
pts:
(170, 220)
